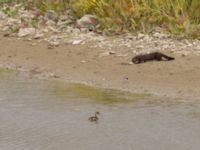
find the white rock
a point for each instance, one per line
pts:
(75, 42)
(26, 31)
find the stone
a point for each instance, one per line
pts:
(88, 21)
(76, 42)
(26, 31)
(140, 36)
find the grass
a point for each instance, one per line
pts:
(180, 17)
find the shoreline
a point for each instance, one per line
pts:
(178, 79)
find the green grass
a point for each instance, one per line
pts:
(180, 17)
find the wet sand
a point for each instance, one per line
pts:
(82, 64)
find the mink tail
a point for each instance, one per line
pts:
(167, 57)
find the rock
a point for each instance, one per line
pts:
(54, 43)
(26, 31)
(140, 36)
(159, 35)
(76, 42)
(88, 21)
(38, 35)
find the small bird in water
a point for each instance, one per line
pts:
(95, 118)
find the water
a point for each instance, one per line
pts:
(46, 115)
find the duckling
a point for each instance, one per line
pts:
(95, 118)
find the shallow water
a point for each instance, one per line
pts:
(46, 115)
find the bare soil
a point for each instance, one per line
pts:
(81, 63)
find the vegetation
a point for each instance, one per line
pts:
(181, 17)
(175, 16)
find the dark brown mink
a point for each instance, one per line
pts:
(150, 57)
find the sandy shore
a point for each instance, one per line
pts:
(83, 64)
